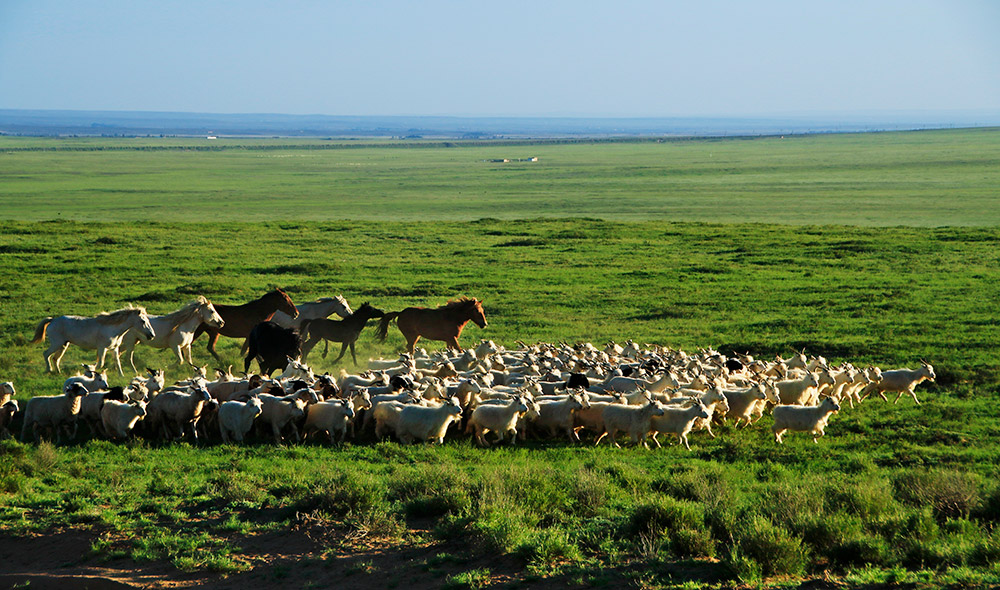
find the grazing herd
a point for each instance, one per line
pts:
(490, 394)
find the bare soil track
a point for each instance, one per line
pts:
(297, 558)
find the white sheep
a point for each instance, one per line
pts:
(679, 421)
(296, 369)
(743, 402)
(281, 412)
(154, 383)
(797, 392)
(635, 420)
(714, 400)
(499, 419)
(90, 409)
(171, 411)
(92, 380)
(332, 417)
(57, 412)
(902, 381)
(386, 417)
(6, 392)
(418, 423)
(119, 418)
(7, 412)
(554, 416)
(803, 419)
(592, 417)
(236, 418)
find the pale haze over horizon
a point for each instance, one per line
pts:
(630, 58)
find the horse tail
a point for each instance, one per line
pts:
(383, 326)
(40, 330)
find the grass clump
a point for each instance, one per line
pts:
(950, 493)
(764, 549)
(675, 525)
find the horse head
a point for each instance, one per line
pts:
(144, 327)
(284, 302)
(368, 312)
(476, 313)
(209, 315)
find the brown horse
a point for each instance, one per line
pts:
(240, 319)
(443, 323)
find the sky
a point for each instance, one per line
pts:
(621, 58)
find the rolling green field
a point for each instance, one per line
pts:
(865, 248)
(933, 178)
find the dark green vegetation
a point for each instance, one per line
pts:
(918, 179)
(892, 493)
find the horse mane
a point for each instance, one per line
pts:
(190, 309)
(118, 316)
(461, 302)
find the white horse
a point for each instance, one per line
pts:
(102, 333)
(174, 330)
(314, 310)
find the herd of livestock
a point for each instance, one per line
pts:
(491, 393)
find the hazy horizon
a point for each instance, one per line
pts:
(559, 59)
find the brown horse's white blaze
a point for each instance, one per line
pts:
(444, 323)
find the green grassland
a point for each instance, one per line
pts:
(892, 494)
(919, 179)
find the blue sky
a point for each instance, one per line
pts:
(627, 58)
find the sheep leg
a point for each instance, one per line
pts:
(602, 435)
(224, 432)
(684, 439)
(913, 394)
(708, 427)
(777, 435)
(513, 436)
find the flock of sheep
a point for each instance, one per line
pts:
(492, 393)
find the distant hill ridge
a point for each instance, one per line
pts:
(132, 123)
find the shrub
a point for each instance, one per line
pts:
(773, 548)
(431, 490)
(344, 493)
(677, 524)
(951, 494)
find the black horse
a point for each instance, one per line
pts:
(345, 331)
(272, 346)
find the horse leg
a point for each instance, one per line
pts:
(343, 349)
(411, 342)
(308, 346)
(353, 356)
(453, 343)
(213, 337)
(47, 355)
(118, 362)
(179, 351)
(131, 359)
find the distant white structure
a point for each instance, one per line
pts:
(212, 137)
(508, 160)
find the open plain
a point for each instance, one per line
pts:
(870, 248)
